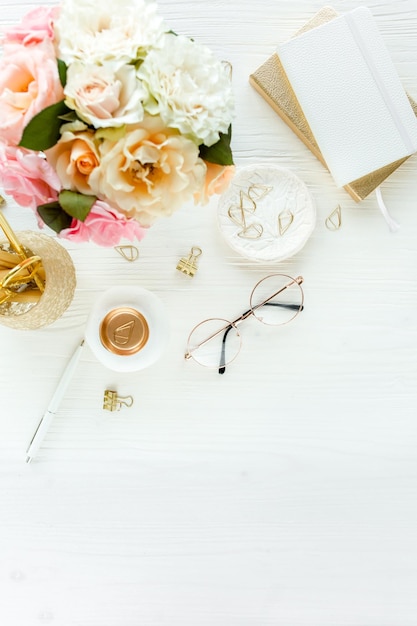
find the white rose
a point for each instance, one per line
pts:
(95, 31)
(149, 172)
(104, 95)
(189, 88)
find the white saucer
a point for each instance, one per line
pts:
(142, 301)
(273, 199)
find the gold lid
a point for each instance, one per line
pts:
(124, 331)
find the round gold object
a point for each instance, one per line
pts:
(124, 331)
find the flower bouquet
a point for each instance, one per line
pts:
(108, 120)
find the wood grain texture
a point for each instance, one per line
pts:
(281, 494)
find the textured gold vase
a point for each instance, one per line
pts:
(60, 284)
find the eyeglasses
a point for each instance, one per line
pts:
(275, 300)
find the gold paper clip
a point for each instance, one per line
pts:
(130, 253)
(334, 220)
(229, 67)
(188, 265)
(113, 402)
(257, 192)
(23, 272)
(253, 231)
(285, 219)
(18, 248)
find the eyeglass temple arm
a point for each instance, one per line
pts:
(222, 365)
(285, 305)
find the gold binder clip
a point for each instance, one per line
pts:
(130, 253)
(113, 402)
(334, 220)
(188, 265)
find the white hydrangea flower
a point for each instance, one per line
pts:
(96, 31)
(104, 95)
(189, 88)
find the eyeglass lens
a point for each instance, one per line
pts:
(282, 297)
(208, 341)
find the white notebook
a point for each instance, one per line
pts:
(351, 95)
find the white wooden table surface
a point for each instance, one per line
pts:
(281, 494)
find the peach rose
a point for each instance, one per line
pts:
(27, 176)
(149, 172)
(29, 82)
(105, 226)
(35, 26)
(218, 179)
(74, 158)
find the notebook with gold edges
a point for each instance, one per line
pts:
(271, 81)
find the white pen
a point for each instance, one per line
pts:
(54, 403)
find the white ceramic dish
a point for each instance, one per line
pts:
(275, 203)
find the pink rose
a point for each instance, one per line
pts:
(105, 226)
(35, 26)
(27, 176)
(29, 82)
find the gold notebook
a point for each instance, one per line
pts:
(272, 83)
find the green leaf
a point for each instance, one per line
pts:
(71, 116)
(42, 132)
(76, 204)
(220, 152)
(62, 72)
(54, 216)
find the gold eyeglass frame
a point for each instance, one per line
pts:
(234, 324)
